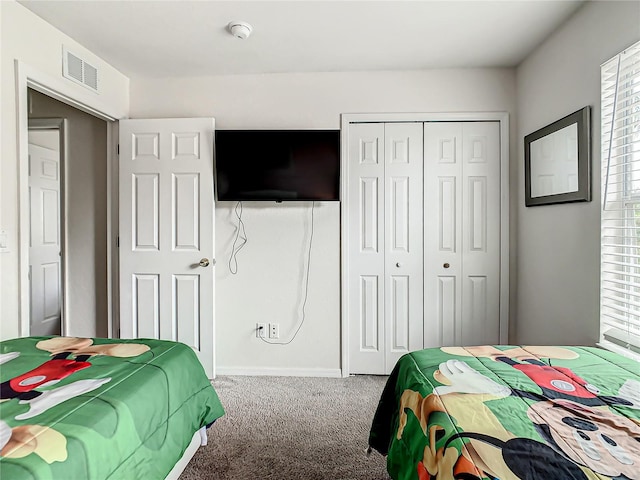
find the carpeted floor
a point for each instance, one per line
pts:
(289, 428)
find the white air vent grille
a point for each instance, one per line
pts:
(74, 65)
(78, 70)
(91, 76)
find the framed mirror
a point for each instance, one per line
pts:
(557, 161)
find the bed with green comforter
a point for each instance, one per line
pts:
(81, 408)
(510, 412)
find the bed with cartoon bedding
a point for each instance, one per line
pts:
(79, 408)
(507, 412)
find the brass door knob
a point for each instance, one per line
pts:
(446, 265)
(204, 262)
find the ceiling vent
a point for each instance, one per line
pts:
(78, 70)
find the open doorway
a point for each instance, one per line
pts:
(68, 218)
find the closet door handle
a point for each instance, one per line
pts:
(398, 264)
(446, 265)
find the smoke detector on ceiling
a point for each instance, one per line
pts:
(240, 29)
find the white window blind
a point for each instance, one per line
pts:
(620, 227)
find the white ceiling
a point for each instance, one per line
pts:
(189, 38)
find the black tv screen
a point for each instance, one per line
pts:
(277, 165)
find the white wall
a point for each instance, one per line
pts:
(26, 37)
(268, 286)
(559, 245)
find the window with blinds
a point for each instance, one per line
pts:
(620, 220)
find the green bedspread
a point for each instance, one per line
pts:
(506, 412)
(75, 408)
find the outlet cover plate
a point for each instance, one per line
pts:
(274, 330)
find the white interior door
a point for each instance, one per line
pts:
(462, 233)
(45, 273)
(385, 244)
(167, 232)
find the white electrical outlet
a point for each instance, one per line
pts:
(274, 330)
(261, 330)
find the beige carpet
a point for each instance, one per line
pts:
(287, 428)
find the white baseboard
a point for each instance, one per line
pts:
(280, 372)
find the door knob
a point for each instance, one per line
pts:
(204, 262)
(446, 265)
(398, 265)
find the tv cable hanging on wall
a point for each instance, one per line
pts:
(241, 235)
(306, 290)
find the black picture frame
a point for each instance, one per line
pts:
(582, 190)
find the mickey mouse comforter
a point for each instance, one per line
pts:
(80, 408)
(552, 413)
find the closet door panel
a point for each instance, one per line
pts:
(399, 313)
(365, 193)
(368, 334)
(462, 233)
(403, 240)
(442, 233)
(447, 310)
(369, 212)
(481, 241)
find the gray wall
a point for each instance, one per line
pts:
(558, 266)
(86, 196)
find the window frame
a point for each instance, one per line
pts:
(620, 259)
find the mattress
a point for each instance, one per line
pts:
(510, 412)
(80, 408)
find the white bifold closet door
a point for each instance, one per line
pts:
(462, 233)
(385, 243)
(167, 232)
(423, 239)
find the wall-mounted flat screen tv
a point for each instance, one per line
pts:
(277, 165)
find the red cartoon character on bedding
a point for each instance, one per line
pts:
(70, 355)
(575, 437)
(451, 419)
(49, 373)
(555, 382)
